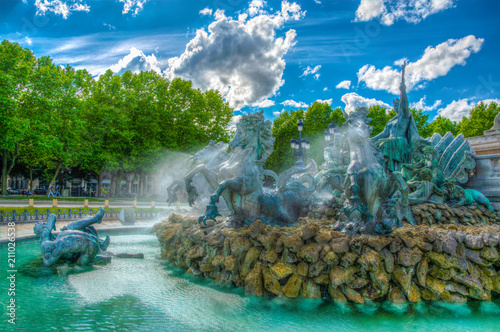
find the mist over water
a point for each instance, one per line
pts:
(174, 168)
(148, 294)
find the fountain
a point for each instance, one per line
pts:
(386, 218)
(77, 242)
(385, 223)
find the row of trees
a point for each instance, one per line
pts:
(318, 116)
(57, 118)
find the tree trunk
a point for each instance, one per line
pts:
(58, 169)
(129, 184)
(31, 179)
(98, 190)
(139, 186)
(4, 172)
(119, 177)
(112, 184)
(6, 168)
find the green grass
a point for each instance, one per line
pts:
(45, 198)
(20, 209)
(80, 199)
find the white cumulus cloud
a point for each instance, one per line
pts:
(206, 11)
(421, 105)
(134, 6)
(369, 9)
(59, 7)
(435, 62)
(343, 85)
(277, 113)
(234, 121)
(390, 11)
(327, 101)
(136, 61)
(457, 109)
(312, 71)
(352, 101)
(256, 7)
(294, 103)
(243, 58)
(264, 103)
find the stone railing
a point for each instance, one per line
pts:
(487, 176)
(76, 213)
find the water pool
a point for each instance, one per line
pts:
(149, 295)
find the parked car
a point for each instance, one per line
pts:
(40, 191)
(12, 191)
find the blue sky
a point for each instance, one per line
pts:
(279, 55)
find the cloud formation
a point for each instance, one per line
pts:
(352, 101)
(294, 103)
(206, 11)
(234, 121)
(134, 6)
(136, 61)
(277, 113)
(256, 7)
(343, 85)
(265, 103)
(457, 109)
(435, 62)
(327, 101)
(390, 11)
(421, 105)
(312, 71)
(243, 58)
(59, 7)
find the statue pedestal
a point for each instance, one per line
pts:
(487, 173)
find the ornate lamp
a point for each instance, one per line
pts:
(330, 132)
(332, 127)
(328, 137)
(300, 145)
(300, 125)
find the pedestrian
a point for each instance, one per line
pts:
(57, 191)
(50, 191)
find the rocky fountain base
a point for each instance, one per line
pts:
(453, 255)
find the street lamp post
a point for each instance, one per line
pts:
(330, 133)
(300, 145)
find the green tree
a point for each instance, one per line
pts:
(284, 129)
(480, 119)
(379, 118)
(16, 68)
(66, 123)
(421, 121)
(442, 125)
(135, 119)
(106, 120)
(39, 143)
(317, 118)
(316, 121)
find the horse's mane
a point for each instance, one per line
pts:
(257, 122)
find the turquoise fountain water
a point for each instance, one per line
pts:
(148, 295)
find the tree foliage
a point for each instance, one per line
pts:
(442, 125)
(480, 119)
(61, 118)
(316, 119)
